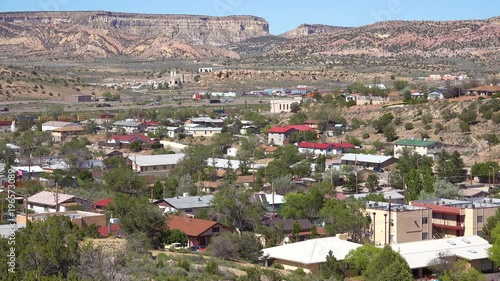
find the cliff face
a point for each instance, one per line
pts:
(309, 29)
(102, 34)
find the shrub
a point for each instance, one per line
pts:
(212, 267)
(366, 136)
(185, 264)
(409, 126)
(427, 127)
(278, 266)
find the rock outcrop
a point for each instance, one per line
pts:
(103, 34)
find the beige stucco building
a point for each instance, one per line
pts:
(284, 105)
(399, 223)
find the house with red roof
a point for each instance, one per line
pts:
(279, 135)
(99, 206)
(198, 231)
(326, 149)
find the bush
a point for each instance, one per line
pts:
(366, 136)
(427, 127)
(212, 267)
(409, 126)
(278, 266)
(426, 118)
(185, 264)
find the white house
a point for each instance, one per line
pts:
(232, 151)
(173, 132)
(199, 131)
(129, 126)
(186, 205)
(326, 149)
(52, 125)
(155, 163)
(309, 254)
(422, 147)
(45, 202)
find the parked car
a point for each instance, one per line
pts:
(175, 246)
(197, 249)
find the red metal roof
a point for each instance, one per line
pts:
(439, 209)
(454, 227)
(102, 203)
(316, 145)
(343, 145)
(282, 130)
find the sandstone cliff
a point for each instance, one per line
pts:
(104, 34)
(309, 29)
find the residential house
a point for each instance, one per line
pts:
(185, 204)
(286, 226)
(27, 172)
(122, 141)
(453, 218)
(284, 105)
(174, 132)
(208, 186)
(199, 131)
(46, 201)
(422, 147)
(80, 218)
(395, 197)
(268, 149)
(487, 91)
(60, 134)
(438, 94)
(272, 201)
(420, 254)
(7, 126)
(129, 126)
(154, 163)
(52, 125)
(367, 160)
(114, 153)
(198, 231)
(100, 205)
(326, 149)
(14, 149)
(398, 223)
(314, 124)
(308, 255)
(371, 100)
(279, 135)
(206, 122)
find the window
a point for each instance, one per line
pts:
(424, 220)
(189, 210)
(425, 236)
(215, 230)
(479, 219)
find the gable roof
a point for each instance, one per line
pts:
(311, 251)
(367, 158)
(48, 198)
(102, 203)
(69, 129)
(190, 226)
(156, 160)
(285, 129)
(314, 145)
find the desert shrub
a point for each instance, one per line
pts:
(409, 126)
(366, 136)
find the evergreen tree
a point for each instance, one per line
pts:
(332, 269)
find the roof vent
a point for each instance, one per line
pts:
(451, 242)
(472, 251)
(465, 240)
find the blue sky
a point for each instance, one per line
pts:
(282, 15)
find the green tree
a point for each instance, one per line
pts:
(462, 271)
(361, 257)
(244, 245)
(300, 205)
(295, 231)
(442, 189)
(76, 152)
(235, 208)
(388, 265)
(400, 85)
(175, 236)
(277, 168)
(489, 227)
(381, 123)
(332, 269)
(390, 133)
(372, 182)
(450, 166)
(158, 190)
(485, 170)
(140, 219)
(345, 217)
(46, 248)
(126, 181)
(298, 118)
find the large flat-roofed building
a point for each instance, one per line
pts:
(397, 223)
(422, 147)
(367, 160)
(283, 105)
(420, 255)
(154, 163)
(452, 218)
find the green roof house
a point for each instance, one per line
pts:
(422, 147)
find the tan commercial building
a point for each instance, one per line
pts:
(284, 105)
(397, 223)
(453, 218)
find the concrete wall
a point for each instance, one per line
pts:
(471, 222)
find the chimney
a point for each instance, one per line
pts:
(185, 194)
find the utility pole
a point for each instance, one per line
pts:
(374, 223)
(385, 229)
(26, 209)
(390, 220)
(272, 190)
(57, 198)
(1, 211)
